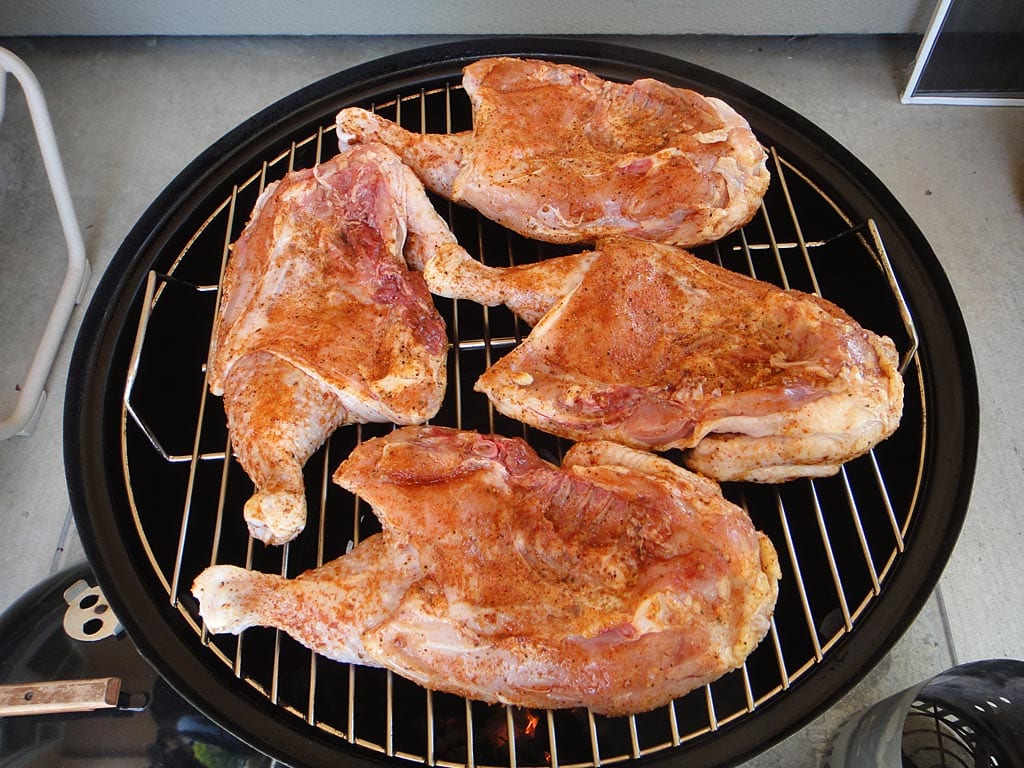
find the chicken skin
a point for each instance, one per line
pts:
(322, 323)
(652, 347)
(561, 155)
(618, 581)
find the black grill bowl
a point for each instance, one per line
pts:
(155, 500)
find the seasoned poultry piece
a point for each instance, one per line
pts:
(652, 347)
(617, 582)
(529, 290)
(559, 154)
(322, 323)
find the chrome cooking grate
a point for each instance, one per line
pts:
(838, 538)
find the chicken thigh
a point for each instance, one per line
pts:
(322, 323)
(617, 582)
(561, 155)
(652, 347)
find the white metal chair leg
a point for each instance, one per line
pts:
(33, 394)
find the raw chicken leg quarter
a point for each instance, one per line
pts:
(559, 154)
(323, 323)
(618, 581)
(648, 345)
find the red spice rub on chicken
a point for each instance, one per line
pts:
(559, 154)
(322, 322)
(618, 581)
(648, 345)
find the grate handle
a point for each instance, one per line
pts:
(894, 285)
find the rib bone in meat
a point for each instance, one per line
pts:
(322, 323)
(618, 581)
(559, 154)
(648, 345)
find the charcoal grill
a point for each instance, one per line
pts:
(157, 496)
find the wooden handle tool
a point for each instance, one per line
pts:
(58, 696)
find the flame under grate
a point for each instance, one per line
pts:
(838, 538)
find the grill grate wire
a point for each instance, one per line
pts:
(800, 637)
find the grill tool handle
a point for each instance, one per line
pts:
(59, 696)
